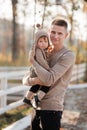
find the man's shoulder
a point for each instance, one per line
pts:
(67, 50)
(70, 54)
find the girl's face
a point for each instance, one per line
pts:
(42, 42)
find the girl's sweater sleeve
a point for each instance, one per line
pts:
(57, 71)
(41, 59)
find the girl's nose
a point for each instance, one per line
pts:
(43, 42)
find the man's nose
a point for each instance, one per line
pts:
(56, 35)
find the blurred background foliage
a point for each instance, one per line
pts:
(18, 20)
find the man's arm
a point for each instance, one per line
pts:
(57, 71)
(34, 81)
(27, 80)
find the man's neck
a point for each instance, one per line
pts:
(56, 49)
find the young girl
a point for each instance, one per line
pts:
(43, 50)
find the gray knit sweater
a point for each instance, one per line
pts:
(58, 77)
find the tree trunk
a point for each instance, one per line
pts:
(15, 44)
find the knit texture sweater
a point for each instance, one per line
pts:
(42, 59)
(58, 77)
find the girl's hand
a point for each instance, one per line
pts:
(50, 48)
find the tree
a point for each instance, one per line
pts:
(85, 10)
(15, 46)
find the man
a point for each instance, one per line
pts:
(58, 77)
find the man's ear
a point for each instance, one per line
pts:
(67, 35)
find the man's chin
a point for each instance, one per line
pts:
(55, 43)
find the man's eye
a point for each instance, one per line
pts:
(60, 33)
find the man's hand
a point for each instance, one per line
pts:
(34, 81)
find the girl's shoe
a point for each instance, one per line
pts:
(25, 100)
(35, 101)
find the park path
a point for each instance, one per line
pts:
(75, 110)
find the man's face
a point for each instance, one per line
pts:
(57, 35)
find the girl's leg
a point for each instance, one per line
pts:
(42, 92)
(30, 94)
(38, 97)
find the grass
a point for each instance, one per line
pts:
(12, 116)
(6, 60)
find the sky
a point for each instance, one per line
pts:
(31, 18)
